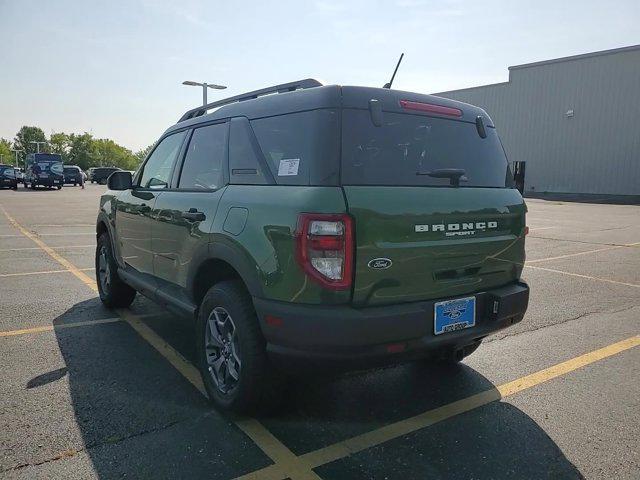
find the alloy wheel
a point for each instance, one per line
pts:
(221, 350)
(104, 270)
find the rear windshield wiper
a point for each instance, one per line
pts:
(455, 175)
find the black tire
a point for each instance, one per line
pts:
(259, 386)
(33, 186)
(59, 187)
(114, 293)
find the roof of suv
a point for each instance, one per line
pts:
(321, 96)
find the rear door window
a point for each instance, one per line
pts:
(202, 168)
(407, 147)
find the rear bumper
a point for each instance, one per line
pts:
(343, 336)
(48, 182)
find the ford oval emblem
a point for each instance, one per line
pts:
(380, 263)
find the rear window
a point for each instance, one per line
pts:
(301, 148)
(47, 166)
(406, 147)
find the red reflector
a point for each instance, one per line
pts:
(273, 321)
(430, 107)
(526, 231)
(396, 347)
(325, 242)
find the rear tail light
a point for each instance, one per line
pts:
(324, 244)
(430, 107)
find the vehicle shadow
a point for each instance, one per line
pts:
(140, 418)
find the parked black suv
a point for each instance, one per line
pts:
(8, 177)
(101, 174)
(309, 225)
(72, 174)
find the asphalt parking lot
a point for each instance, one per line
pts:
(90, 393)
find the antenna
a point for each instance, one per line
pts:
(388, 85)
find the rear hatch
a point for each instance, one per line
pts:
(418, 235)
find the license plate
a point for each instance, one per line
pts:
(452, 315)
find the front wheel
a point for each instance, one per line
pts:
(59, 187)
(114, 293)
(232, 353)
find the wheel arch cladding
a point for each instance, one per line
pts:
(222, 264)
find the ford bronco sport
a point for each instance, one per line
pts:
(314, 225)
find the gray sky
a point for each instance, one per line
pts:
(114, 68)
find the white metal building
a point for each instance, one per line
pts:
(575, 121)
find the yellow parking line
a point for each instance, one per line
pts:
(49, 328)
(588, 277)
(174, 357)
(257, 432)
(38, 248)
(389, 432)
(583, 253)
(41, 273)
(286, 463)
(61, 260)
(68, 225)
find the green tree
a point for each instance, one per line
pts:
(60, 143)
(25, 136)
(142, 154)
(109, 153)
(8, 158)
(81, 151)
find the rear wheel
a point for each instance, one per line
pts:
(231, 352)
(114, 293)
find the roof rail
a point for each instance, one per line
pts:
(282, 88)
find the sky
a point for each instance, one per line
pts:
(115, 68)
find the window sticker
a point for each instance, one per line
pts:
(288, 167)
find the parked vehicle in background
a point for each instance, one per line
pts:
(309, 225)
(100, 174)
(72, 174)
(90, 173)
(8, 177)
(19, 174)
(44, 169)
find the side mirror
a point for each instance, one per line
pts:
(121, 180)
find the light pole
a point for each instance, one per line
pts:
(204, 88)
(38, 145)
(16, 152)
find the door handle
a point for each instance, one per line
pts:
(194, 214)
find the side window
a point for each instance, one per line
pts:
(301, 148)
(244, 165)
(156, 172)
(202, 168)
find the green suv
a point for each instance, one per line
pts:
(304, 226)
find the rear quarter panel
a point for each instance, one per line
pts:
(267, 241)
